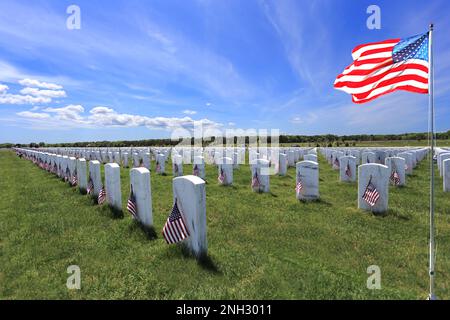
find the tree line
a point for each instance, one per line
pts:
(318, 140)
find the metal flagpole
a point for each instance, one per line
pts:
(431, 295)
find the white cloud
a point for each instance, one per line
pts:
(33, 115)
(296, 120)
(7, 98)
(31, 95)
(3, 88)
(231, 124)
(189, 112)
(39, 84)
(43, 93)
(72, 115)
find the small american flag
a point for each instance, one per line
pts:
(175, 229)
(371, 195)
(101, 196)
(255, 180)
(221, 177)
(141, 163)
(175, 168)
(55, 168)
(74, 180)
(336, 163)
(348, 171)
(90, 185)
(298, 186)
(67, 175)
(158, 167)
(131, 205)
(395, 178)
(196, 171)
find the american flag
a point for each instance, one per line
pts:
(348, 171)
(336, 163)
(255, 180)
(175, 229)
(395, 178)
(90, 185)
(74, 180)
(55, 168)
(221, 177)
(298, 186)
(158, 167)
(371, 195)
(196, 171)
(141, 163)
(131, 205)
(175, 168)
(101, 196)
(382, 67)
(67, 175)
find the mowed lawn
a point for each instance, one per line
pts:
(261, 246)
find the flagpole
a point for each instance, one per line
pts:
(431, 295)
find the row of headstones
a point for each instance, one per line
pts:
(443, 162)
(189, 193)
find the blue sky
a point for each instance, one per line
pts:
(139, 69)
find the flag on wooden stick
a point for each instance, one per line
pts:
(371, 194)
(131, 204)
(175, 229)
(101, 196)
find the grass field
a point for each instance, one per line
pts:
(261, 246)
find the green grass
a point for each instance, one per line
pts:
(261, 246)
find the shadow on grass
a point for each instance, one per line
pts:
(111, 212)
(149, 232)
(319, 201)
(392, 213)
(204, 260)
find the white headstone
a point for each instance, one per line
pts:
(82, 174)
(160, 167)
(112, 185)
(446, 174)
(347, 170)
(378, 175)
(198, 168)
(307, 173)
(396, 164)
(282, 164)
(94, 171)
(177, 165)
(225, 171)
(190, 194)
(140, 183)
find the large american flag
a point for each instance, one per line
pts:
(382, 67)
(371, 194)
(175, 229)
